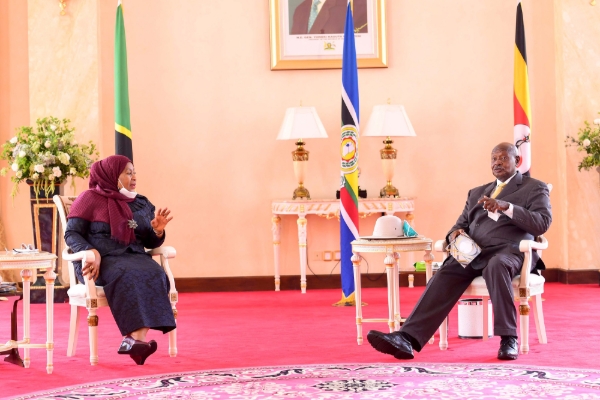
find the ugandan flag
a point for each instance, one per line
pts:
(123, 143)
(521, 103)
(349, 155)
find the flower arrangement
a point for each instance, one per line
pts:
(588, 140)
(46, 155)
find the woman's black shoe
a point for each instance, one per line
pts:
(133, 347)
(141, 358)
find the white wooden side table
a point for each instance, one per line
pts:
(29, 264)
(329, 209)
(392, 250)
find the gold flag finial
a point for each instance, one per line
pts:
(62, 4)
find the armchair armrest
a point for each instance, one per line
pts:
(83, 256)
(540, 244)
(526, 247)
(440, 245)
(165, 251)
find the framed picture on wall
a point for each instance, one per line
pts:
(309, 34)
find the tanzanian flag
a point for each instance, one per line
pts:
(349, 155)
(123, 144)
(521, 103)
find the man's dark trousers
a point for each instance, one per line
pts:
(447, 286)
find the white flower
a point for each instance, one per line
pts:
(73, 171)
(53, 127)
(47, 144)
(15, 167)
(64, 158)
(22, 154)
(35, 176)
(586, 142)
(19, 174)
(56, 172)
(51, 177)
(597, 121)
(13, 140)
(39, 168)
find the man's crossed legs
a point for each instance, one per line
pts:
(441, 294)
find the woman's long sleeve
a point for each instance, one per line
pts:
(77, 230)
(151, 241)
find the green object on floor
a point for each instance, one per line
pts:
(420, 266)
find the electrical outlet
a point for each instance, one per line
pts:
(327, 255)
(337, 255)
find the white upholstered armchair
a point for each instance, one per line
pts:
(525, 285)
(92, 297)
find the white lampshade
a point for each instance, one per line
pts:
(301, 123)
(389, 120)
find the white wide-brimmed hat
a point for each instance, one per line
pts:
(387, 227)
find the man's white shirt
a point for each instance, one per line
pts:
(509, 212)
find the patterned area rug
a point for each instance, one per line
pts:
(350, 381)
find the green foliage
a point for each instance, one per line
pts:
(588, 140)
(46, 155)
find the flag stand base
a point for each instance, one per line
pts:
(349, 301)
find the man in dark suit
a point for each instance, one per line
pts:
(329, 16)
(524, 207)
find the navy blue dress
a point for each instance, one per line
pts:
(135, 285)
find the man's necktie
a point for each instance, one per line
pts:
(498, 190)
(314, 11)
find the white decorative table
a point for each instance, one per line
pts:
(29, 264)
(329, 208)
(392, 250)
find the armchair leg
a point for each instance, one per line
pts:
(173, 343)
(444, 335)
(73, 331)
(93, 328)
(538, 317)
(524, 312)
(486, 316)
(173, 336)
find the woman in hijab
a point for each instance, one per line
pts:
(116, 223)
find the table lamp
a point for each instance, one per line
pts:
(387, 121)
(301, 123)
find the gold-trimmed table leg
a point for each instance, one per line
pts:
(26, 275)
(389, 267)
(357, 296)
(50, 277)
(276, 230)
(302, 222)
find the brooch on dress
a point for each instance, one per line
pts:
(132, 224)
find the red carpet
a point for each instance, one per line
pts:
(230, 330)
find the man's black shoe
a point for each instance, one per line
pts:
(393, 343)
(509, 348)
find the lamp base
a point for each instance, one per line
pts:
(301, 192)
(389, 191)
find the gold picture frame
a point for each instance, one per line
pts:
(292, 48)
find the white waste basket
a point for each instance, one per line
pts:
(470, 319)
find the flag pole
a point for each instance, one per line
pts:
(349, 162)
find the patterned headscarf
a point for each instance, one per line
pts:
(103, 202)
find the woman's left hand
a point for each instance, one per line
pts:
(161, 220)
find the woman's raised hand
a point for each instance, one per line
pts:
(161, 220)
